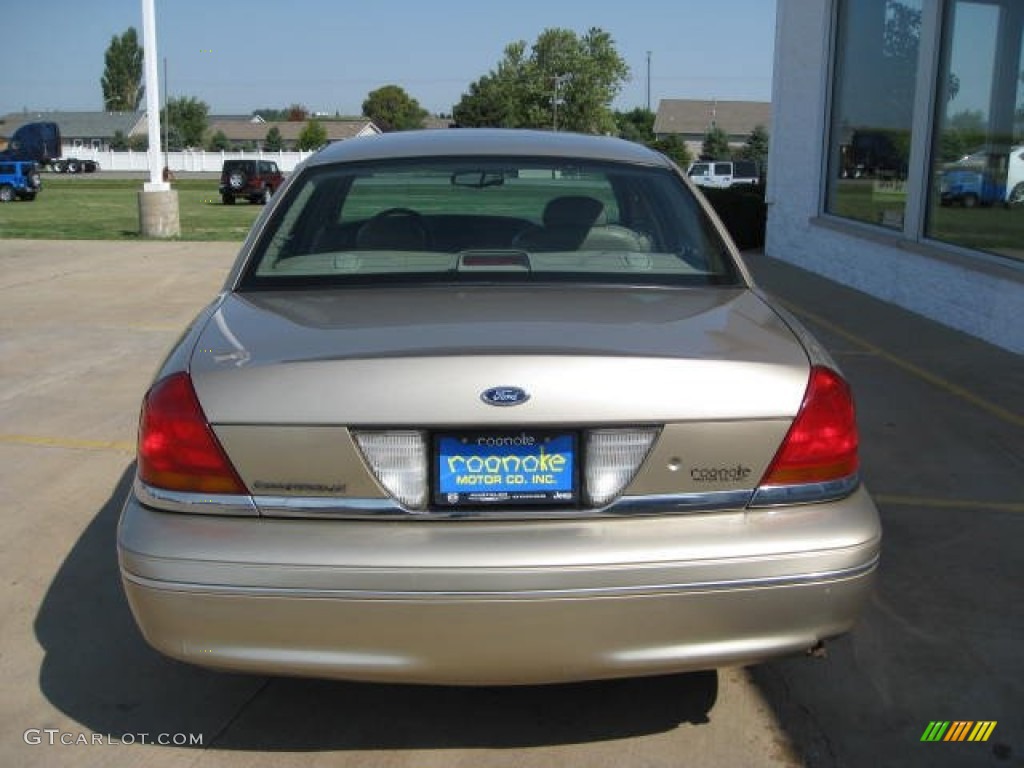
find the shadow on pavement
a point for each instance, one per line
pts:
(940, 639)
(99, 671)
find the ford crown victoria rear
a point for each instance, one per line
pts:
(494, 407)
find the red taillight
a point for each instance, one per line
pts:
(177, 449)
(821, 444)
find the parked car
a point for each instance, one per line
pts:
(255, 180)
(873, 154)
(19, 179)
(724, 173)
(970, 187)
(494, 407)
(985, 177)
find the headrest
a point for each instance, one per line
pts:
(572, 211)
(392, 233)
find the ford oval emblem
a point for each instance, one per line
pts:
(504, 396)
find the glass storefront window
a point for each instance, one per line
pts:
(872, 109)
(977, 195)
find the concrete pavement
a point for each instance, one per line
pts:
(84, 324)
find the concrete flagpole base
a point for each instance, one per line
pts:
(158, 213)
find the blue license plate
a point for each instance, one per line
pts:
(524, 467)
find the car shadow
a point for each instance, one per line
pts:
(937, 642)
(99, 671)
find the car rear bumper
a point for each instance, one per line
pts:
(462, 602)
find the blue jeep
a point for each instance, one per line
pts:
(19, 179)
(970, 187)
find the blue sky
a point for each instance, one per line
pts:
(238, 55)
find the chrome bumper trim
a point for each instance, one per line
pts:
(680, 503)
(235, 505)
(807, 493)
(625, 506)
(317, 507)
(768, 582)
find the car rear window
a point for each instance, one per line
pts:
(490, 219)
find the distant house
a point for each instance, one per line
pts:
(253, 118)
(80, 130)
(243, 133)
(433, 122)
(691, 119)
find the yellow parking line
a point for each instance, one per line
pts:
(916, 501)
(1004, 414)
(116, 446)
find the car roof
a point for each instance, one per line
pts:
(456, 142)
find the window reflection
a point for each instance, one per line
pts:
(977, 200)
(872, 109)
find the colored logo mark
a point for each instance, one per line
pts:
(958, 730)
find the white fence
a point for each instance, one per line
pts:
(186, 161)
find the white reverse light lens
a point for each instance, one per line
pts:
(399, 462)
(613, 457)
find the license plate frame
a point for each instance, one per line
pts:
(505, 468)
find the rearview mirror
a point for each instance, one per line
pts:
(478, 179)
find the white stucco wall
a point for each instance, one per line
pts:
(983, 298)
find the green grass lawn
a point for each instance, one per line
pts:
(95, 208)
(992, 228)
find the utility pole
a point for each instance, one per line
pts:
(648, 81)
(560, 80)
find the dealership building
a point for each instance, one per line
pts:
(897, 154)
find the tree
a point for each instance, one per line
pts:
(118, 141)
(716, 145)
(594, 74)
(963, 133)
(219, 142)
(756, 148)
(186, 121)
(392, 109)
(122, 75)
(636, 125)
(312, 136)
(675, 148)
(273, 141)
(900, 44)
(563, 77)
(487, 104)
(296, 113)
